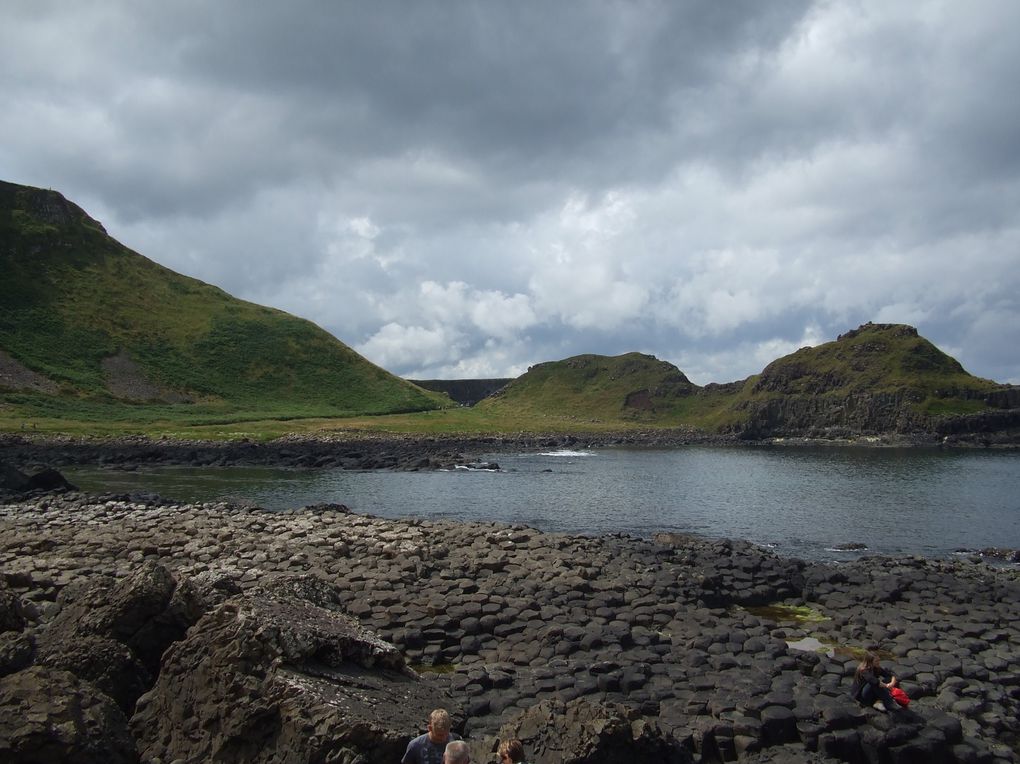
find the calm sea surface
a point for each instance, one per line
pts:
(800, 501)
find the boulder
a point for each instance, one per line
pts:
(50, 716)
(108, 664)
(114, 610)
(15, 482)
(114, 633)
(17, 651)
(191, 598)
(49, 480)
(270, 677)
(146, 611)
(12, 480)
(12, 610)
(582, 732)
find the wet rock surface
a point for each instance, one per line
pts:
(295, 612)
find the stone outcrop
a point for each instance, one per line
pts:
(113, 633)
(14, 375)
(832, 417)
(52, 717)
(504, 619)
(12, 611)
(125, 379)
(95, 634)
(581, 732)
(15, 483)
(271, 677)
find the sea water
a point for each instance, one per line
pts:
(801, 501)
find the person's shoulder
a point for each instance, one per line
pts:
(410, 755)
(417, 742)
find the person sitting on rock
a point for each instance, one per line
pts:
(872, 684)
(429, 748)
(457, 753)
(511, 752)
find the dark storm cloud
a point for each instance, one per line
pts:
(463, 189)
(218, 100)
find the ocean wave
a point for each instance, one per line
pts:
(566, 452)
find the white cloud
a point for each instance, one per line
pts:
(395, 346)
(468, 194)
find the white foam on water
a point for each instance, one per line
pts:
(566, 452)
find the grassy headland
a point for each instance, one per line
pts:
(119, 341)
(97, 340)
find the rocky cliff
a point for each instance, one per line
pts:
(879, 379)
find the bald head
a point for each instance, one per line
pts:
(457, 753)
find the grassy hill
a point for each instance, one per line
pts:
(875, 379)
(94, 333)
(102, 327)
(875, 359)
(633, 387)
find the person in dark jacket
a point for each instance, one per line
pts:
(872, 684)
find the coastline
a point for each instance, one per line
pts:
(502, 621)
(374, 451)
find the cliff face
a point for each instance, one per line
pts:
(878, 379)
(815, 417)
(879, 414)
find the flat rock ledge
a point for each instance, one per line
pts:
(165, 632)
(348, 451)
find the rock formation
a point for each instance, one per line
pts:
(269, 676)
(288, 632)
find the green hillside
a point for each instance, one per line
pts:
(875, 359)
(879, 378)
(628, 387)
(102, 326)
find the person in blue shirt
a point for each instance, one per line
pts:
(430, 747)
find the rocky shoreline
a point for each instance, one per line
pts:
(361, 451)
(364, 451)
(163, 632)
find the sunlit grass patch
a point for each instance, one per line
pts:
(780, 613)
(433, 668)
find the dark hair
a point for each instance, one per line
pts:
(869, 662)
(513, 748)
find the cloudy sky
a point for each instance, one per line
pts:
(463, 189)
